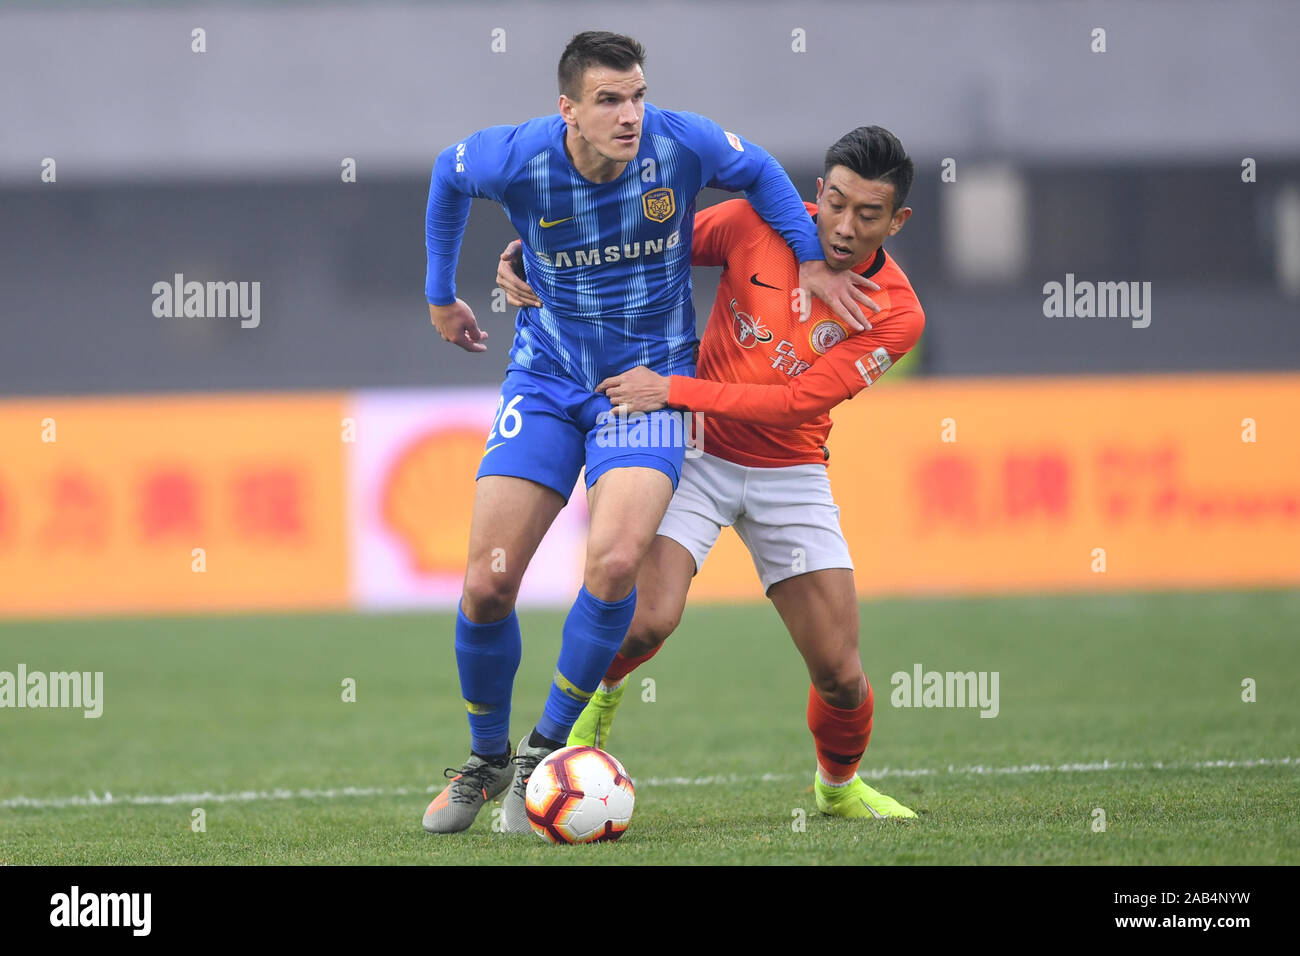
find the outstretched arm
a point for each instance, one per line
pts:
(807, 396)
(843, 372)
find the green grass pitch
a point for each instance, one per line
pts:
(1122, 703)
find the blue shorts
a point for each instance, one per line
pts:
(547, 428)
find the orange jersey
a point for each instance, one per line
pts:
(766, 381)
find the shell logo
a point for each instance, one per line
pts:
(427, 496)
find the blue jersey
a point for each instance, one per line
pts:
(611, 262)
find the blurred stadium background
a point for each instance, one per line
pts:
(323, 458)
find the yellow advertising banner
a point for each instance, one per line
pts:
(1013, 485)
(169, 503)
(200, 503)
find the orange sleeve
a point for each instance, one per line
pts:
(807, 396)
(716, 231)
(841, 373)
(864, 357)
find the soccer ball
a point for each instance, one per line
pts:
(579, 795)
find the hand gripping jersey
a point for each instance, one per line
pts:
(766, 381)
(610, 261)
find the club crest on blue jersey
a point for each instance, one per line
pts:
(610, 261)
(658, 204)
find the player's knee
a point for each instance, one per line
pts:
(611, 572)
(647, 633)
(843, 686)
(488, 596)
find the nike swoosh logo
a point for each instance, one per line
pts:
(754, 280)
(874, 812)
(554, 222)
(490, 447)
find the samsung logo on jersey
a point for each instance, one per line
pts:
(572, 258)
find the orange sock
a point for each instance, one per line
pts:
(621, 666)
(840, 735)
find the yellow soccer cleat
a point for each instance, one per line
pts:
(858, 800)
(597, 719)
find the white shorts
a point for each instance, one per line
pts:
(786, 516)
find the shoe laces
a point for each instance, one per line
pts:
(469, 784)
(526, 764)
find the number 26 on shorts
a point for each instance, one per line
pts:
(507, 418)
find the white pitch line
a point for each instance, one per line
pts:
(250, 796)
(882, 773)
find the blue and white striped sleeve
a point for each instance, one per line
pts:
(733, 163)
(471, 169)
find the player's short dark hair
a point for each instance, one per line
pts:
(875, 153)
(596, 48)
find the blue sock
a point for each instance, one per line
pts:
(593, 633)
(487, 656)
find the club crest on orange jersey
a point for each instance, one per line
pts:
(748, 330)
(825, 334)
(658, 204)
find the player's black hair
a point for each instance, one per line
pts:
(596, 48)
(875, 153)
